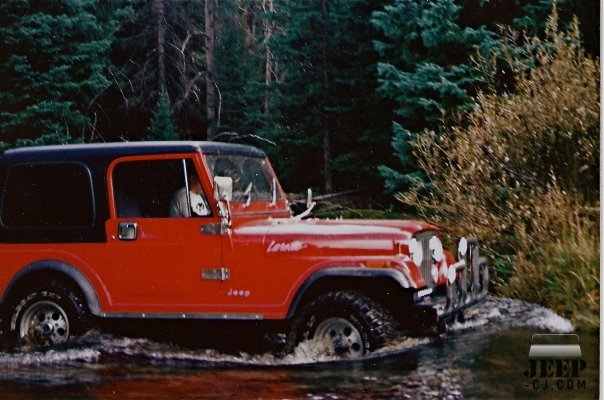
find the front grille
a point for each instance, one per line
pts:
(426, 267)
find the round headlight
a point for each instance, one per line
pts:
(437, 248)
(462, 247)
(413, 246)
(418, 256)
(415, 251)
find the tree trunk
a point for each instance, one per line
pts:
(328, 184)
(159, 10)
(210, 45)
(269, 7)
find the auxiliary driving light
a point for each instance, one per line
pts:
(434, 273)
(462, 247)
(437, 248)
(451, 274)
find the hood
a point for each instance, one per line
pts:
(333, 237)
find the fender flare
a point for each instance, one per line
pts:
(346, 272)
(70, 271)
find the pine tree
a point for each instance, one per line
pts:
(53, 62)
(326, 97)
(211, 68)
(426, 70)
(162, 125)
(241, 53)
(238, 79)
(160, 50)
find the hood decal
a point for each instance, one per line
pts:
(285, 247)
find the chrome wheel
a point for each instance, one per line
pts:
(342, 324)
(44, 323)
(340, 337)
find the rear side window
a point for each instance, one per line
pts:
(48, 195)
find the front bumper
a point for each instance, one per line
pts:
(467, 284)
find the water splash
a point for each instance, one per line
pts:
(495, 314)
(502, 313)
(49, 357)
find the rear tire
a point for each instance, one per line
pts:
(343, 324)
(43, 314)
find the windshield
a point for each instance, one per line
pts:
(253, 179)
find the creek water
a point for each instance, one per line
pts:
(485, 357)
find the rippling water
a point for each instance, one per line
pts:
(484, 357)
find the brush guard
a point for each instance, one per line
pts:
(467, 284)
(471, 281)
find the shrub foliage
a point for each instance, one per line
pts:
(521, 172)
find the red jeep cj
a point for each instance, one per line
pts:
(195, 230)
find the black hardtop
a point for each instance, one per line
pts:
(110, 151)
(96, 159)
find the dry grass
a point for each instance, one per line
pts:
(563, 273)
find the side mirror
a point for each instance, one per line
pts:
(223, 188)
(223, 194)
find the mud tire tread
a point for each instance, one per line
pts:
(69, 298)
(376, 325)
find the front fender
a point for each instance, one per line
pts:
(346, 272)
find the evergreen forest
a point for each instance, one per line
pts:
(333, 90)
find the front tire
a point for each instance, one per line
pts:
(44, 314)
(342, 324)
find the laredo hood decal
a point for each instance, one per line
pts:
(338, 237)
(285, 247)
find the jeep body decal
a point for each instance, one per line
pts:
(285, 247)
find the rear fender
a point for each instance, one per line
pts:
(58, 268)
